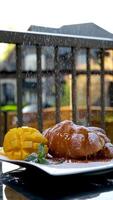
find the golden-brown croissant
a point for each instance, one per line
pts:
(69, 140)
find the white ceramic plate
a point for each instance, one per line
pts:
(66, 168)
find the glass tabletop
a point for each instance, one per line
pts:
(20, 183)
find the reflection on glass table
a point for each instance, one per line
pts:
(11, 194)
(19, 183)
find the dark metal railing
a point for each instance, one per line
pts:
(39, 88)
(51, 39)
(57, 40)
(88, 93)
(48, 72)
(57, 85)
(19, 84)
(74, 86)
(102, 90)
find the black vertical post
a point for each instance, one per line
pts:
(57, 86)
(74, 85)
(19, 84)
(102, 90)
(88, 93)
(3, 126)
(1, 132)
(39, 88)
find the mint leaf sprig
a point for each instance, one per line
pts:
(39, 157)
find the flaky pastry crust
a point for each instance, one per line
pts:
(69, 140)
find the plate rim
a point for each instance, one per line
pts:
(56, 170)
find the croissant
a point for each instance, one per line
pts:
(69, 140)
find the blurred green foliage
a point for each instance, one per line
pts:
(9, 108)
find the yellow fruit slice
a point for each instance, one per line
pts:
(2, 153)
(20, 142)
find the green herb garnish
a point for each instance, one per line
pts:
(31, 157)
(39, 157)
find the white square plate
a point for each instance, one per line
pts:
(66, 168)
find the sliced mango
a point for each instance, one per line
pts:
(20, 142)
